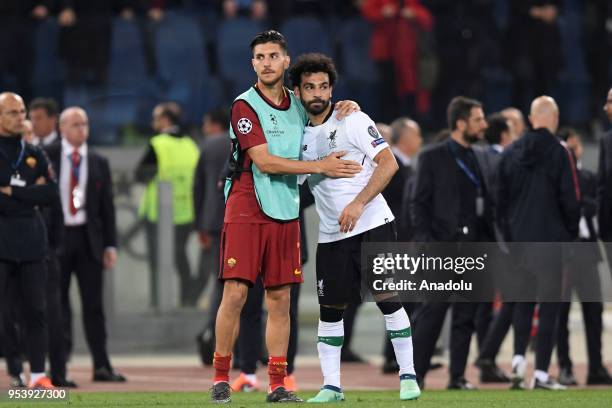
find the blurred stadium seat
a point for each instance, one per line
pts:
(48, 68)
(234, 55)
(358, 79)
(306, 34)
(181, 60)
(127, 68)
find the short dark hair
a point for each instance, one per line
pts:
(48, 104)
(311, 63)
(567, 132)
(270, 36)
(459, 109)
(497, 124)
(219, 116)
(172, 111)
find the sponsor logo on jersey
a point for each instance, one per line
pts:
(31, 162)
(244, 126)
(297, 272)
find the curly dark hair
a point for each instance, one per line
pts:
(311, 63)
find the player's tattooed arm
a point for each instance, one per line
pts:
(384, 171)
(331, 166)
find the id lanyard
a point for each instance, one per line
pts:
(474, 179)
(17, 163)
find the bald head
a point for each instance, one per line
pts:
(74, 125)
(12, 114)
(544, 114)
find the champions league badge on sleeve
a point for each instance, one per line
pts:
(244, 126)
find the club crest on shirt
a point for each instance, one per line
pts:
(320, 287)
(304, 148)
(244, 126)
(231, 262)
(332, 139)
(373, 132)
(31, 162)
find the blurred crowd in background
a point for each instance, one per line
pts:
(119, 58)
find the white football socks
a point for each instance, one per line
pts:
(329, 345)
(400, 333)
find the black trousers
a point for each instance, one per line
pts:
(14, 324)
(497, 332)
(28, 278)
(250, 339)
(592, 317)
(77, 259)
(429, 319)
(208, 265)
(190, 286)
(57, 352)
(547, 330)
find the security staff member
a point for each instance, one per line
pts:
(172, 157)
(26, 183)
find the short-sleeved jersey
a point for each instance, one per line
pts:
(357, 135)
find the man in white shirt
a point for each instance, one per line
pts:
(351, 212)
(43, 113)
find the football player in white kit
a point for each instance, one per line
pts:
(351, 211)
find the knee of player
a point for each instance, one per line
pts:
(278, 299)
(234, 295)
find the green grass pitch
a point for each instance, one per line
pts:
(363, 399)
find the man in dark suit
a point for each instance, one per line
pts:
(450, 203)
(43, 113)
(582, 274)
(405, 141)
(538, 201)
(491, 331)
(209, 206)
(90, 231)
(604, 177)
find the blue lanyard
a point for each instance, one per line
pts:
(473, 178)
(17, 163)
(468, 173)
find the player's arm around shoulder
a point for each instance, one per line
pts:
(331, 166)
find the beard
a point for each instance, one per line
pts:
(471, 138)
(318, 110)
